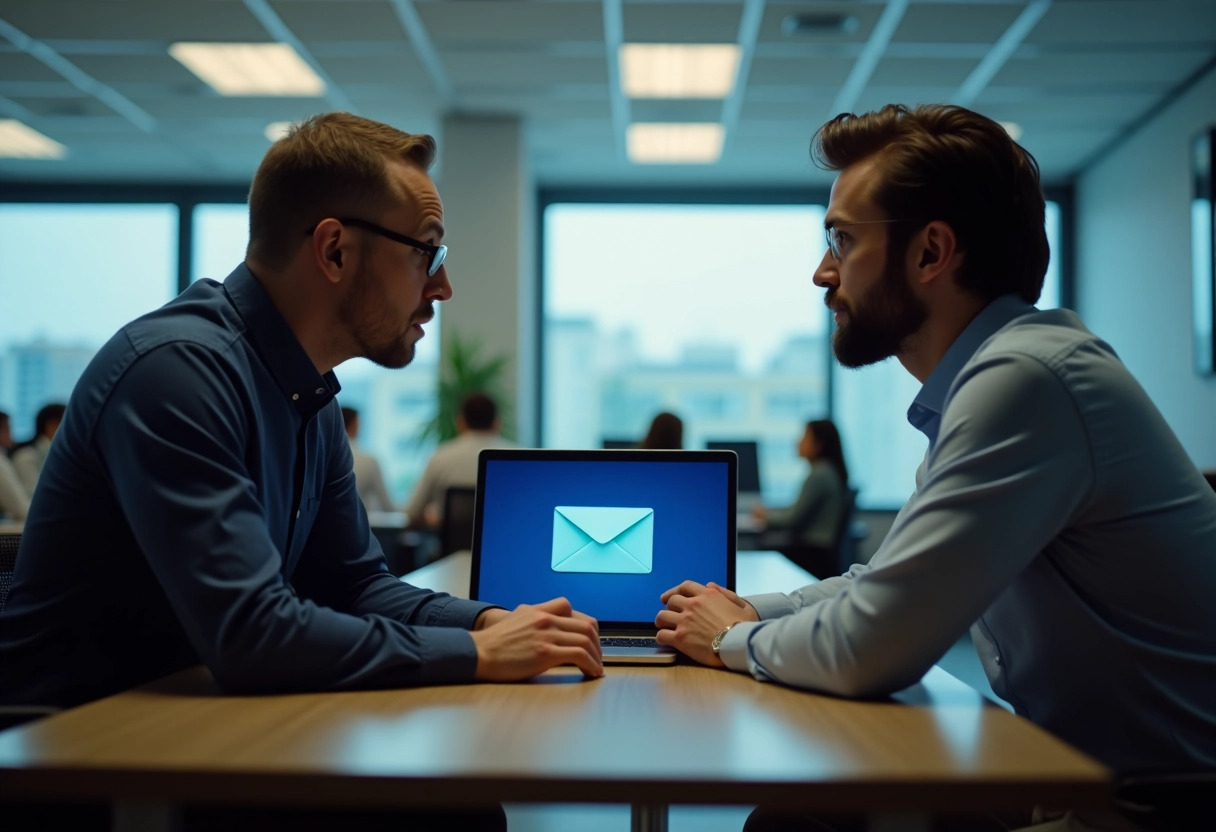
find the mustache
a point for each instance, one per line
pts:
(424, 313)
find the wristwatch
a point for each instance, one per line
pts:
(716, 643)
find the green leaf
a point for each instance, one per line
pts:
(463, 370)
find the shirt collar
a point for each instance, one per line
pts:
(273, 340)
(925, 412)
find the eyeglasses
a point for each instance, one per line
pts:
(833, 237)
(435, 254)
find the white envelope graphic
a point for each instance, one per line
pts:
(604, 539)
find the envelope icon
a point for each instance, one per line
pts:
(604, 539)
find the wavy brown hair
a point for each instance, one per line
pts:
(331, 165)
(948, 163)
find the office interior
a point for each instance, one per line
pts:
(526, 101)
(529, 106)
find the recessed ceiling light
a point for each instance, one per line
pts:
(250, 68)
(678, 70)
(277, 130)
(652, 143)
(17, 141)
(1013, 129)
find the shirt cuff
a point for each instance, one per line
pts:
(733, 650)
(771, 605)
(457, 612)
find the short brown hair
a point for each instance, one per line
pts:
(944, 162)
(331, 165)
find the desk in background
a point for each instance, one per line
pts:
(642, 736)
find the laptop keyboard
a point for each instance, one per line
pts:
(609, 641)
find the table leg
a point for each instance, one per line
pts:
(145, 816)
(649, 817)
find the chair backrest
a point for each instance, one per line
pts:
(843, 544)
(9, 544)
(456, 526)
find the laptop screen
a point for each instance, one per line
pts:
(609, 530)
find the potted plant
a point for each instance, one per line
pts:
(463, 369)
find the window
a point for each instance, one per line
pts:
(70, 276)
(704, 310)
(221, 231)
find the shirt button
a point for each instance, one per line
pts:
(320, 390)
(295, 397)
(297, 515)
(997, 660)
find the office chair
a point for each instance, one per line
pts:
(11, 715)
(456, 527)
(823, 561)
(9, 544)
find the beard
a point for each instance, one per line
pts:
(878, 323)
(377, 335)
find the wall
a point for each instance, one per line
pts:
(489, 215)
(1134, 263)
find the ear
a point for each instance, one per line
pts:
(332, 250)
(934, 252)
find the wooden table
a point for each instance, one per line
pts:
(644, 736)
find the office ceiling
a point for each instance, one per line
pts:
(95, 75)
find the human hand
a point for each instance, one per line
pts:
(695, 614)
(535, 637)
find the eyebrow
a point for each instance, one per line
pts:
(433, 227)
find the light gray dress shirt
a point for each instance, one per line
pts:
(1057, 516)
(369, 481)
(28, 461)
(14, 502)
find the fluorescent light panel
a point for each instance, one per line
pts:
(651, 143)
(277, 130)
(17, 141)
(675, 70)
(250, 68)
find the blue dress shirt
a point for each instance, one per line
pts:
(1057, 515)
(198, 504)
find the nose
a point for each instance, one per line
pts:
(826, 275)
(438, 285)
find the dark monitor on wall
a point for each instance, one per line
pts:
(749, 461)
(619, 444)
(1203, 250)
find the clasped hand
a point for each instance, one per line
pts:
(533, 638)
(695, 614)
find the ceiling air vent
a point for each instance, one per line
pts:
(795, 25)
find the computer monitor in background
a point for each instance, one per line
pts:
(749, 467)
(619, 444)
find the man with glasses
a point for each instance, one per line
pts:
(1055, 512)
(199, 503)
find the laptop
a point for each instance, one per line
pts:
(610, 530)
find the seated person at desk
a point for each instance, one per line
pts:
(811, 523)
(1055, 512)
(199, 505)
(29, 457)
(666, 433)
(369, 482)
(454, 463)
(14, 502)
